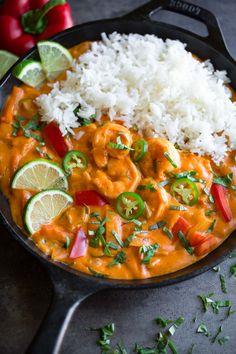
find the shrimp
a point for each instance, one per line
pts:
(118, 177)
(156, 163)
(157, 200)
(200, 164)
(82, 140)
(110, 133)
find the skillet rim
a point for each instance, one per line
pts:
(159, 281)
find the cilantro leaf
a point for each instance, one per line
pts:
(202, 328)
(119, 258)
(223, 283)
(148, 252)
(225, 181)
(185, 243)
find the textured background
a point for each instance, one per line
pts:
(25, 289)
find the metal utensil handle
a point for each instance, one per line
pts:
(215, 37)
(69, 292)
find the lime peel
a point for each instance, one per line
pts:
(7, 59)
(40, 174)
(30, 72)
(43, 207)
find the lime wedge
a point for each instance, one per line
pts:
(54, 57)
(30, 72)
(38, 175)
(6, 61)
(43, 207)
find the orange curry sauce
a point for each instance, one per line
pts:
(111, 172)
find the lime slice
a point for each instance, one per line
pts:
(6, 61)
(54, 57)
(43, 207)
(30, 72)
(38, 175)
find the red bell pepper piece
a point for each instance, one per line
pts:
(90, 197)
(79, 246)
(206, 246)
(55, 138)
(180, 225)
(24, 22)
(219, 193)
(197, 238)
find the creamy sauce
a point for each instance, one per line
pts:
(111, 173)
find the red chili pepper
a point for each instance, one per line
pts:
(55, 138)
(219, 193)
(24, 22)
(90, 197)
(180, 225)
(79, 246)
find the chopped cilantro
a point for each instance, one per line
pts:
(149, 186)
(118, 145)
(202, 328)
(211, 227)
(216, 269)
(223, 340)
(230, 312)
(172, 347)
(129, 239)
(28, 127)
(119, 258)
(83, 121)
(148, 252)
(183, 174)
(157, 225)
(233, 269)
(185, 243)
(178, 207)
(223, 283)
(225, 181)
(209, 212)
(161, 321)
(167, 156)
(215, 304)
(118, 239)
(217, 334)
(168, 232)
(67, 243)
(175, 325)
(139, 349)
(105, 334)
(210, 196)
(44, 154)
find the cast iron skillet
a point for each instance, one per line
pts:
(72, 287)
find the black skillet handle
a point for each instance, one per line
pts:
(215, 37)
(69, 292)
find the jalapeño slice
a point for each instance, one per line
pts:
(140, 148)
(129, 205)
(185, 191)
(75, 159)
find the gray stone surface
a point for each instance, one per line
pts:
(25, 289)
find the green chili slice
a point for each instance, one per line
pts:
(129, 205)
(75, 159)
(185, 191)
(140, 148)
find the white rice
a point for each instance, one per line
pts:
(153, 84)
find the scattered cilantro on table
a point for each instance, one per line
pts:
(163, 343)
